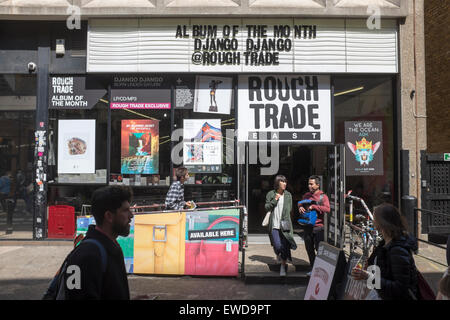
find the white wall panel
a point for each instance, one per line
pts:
(220, 23)
(373, 51)
(113, 46)
(150, 45)
(325, 53)
(159, 50)
(285, 58)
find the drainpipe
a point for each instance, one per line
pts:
(416, 109)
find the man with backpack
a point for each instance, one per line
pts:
(313, 234)
(95, 269)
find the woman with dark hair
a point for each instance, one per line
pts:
(398, 278)
(279, 203)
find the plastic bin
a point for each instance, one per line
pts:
(61, 222)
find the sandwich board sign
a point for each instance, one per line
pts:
(328, 270)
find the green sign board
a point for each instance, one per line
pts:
(446, 156)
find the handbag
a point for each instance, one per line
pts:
(285, 226)
(425, 292)
(266, 220)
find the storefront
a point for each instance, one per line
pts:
(237, 79)
(236, 100)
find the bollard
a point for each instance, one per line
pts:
(10, 205)
(409, 203)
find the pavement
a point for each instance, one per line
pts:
(26, 268)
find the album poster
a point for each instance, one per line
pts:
(140, 147)
(76, 146)
(213, 94)
(364, 148)
(202, 142)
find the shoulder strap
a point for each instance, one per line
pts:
(102, 251)
(56, 290)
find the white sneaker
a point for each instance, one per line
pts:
(309, 274)
(282, 271)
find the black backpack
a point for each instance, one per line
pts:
(56, 289)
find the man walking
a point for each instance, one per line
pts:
(175, 195)
(312, 235)
(100, 261)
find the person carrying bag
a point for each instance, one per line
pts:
(278, 207)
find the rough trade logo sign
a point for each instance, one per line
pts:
(285, 108)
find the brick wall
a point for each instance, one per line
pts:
(437, 62)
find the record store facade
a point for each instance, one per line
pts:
(236, 91)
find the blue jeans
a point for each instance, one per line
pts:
(281, 245)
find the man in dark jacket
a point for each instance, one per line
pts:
(111, 209)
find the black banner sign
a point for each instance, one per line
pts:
(74, 92)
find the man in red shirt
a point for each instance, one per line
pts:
(312, 235)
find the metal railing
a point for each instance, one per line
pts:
(162, 206)
(429, 213)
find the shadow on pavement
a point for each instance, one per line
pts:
(23, 289)
(300, 264)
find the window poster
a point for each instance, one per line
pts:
(364, 148)
(76, 146)
(213, 94)
(139, 147)
(202, 146)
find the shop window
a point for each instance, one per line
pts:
(208, 125)
(368, 99)
(17, 126)
(77, 162)
(140, 152)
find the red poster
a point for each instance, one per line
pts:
(140, 147)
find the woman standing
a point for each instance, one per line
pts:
(279, 203)
(393, 256)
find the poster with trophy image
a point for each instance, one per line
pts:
(213, 94)
(76, 146)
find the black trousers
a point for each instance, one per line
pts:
(312, 237)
